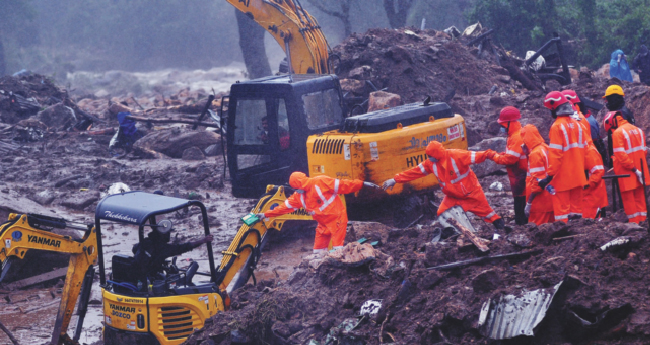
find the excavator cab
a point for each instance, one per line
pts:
(164, 308)
(269, 121)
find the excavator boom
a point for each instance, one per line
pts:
(295, 30)
(26, 232)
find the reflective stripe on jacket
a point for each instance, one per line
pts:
(629, 146)
(514, 159)
(566, 157)
(452, 171)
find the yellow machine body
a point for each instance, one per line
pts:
(169, 319)
(376, 157)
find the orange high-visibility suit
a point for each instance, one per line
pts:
(516, 164)
(594, 198)
(541, 210)
(628, 142)
(458, 181)
(318, 196)
(566, 163)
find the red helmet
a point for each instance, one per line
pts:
(435, 150)
(571, 95)
(610, 121)
(509, 113)
(554, 99)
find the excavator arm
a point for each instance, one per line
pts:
(25, 232)
(295, 30)
(240, 259)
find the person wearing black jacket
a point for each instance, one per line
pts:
(615, 101)
(641, 65)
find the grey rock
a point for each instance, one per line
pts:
(81, 200)
(193, 154)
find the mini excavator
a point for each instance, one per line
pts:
(24, 232)
(171, 308)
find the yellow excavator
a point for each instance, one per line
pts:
(295, 30)
(24, 232)
(175, 304)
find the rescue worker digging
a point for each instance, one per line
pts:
(566, 159)
(539, 205)
(459, 183)
(514, 160)
(319, 197)
(629, 158)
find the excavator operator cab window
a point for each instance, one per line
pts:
(323, 109)
(264, 123)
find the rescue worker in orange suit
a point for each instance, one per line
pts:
(318, 196)
(566, 158)
(514, 159)
(459, 183)
(630, 149)
(539, 205)
(594, 196)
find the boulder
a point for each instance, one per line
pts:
(361, 72)
(193, 154)
(488, 167)
(81, 200)
(58, 116)
(174, 141)
(357, 87)
(383, 100)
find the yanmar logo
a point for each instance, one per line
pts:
(120, 216)
(122, 308)
(43, 240)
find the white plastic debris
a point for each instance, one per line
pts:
(615, 242)
(496, 186)
(116, 188)
(370, 307)
(538, 64)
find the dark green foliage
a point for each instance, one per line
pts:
(594, 28)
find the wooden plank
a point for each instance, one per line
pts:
(61, 272)
(478, 242)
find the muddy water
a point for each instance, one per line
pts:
(34, 325)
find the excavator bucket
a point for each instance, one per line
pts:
(457, 213)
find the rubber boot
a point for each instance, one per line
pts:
(520, 214)
(499, 226)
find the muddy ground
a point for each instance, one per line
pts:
(64, 172)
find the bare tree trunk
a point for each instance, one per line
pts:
(397, 11)
(251, 42)
(3, 67)
(343, 15)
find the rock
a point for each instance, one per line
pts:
(58, 116)
(212, 150)
(504, 78)
(357, 87)
(439, 253)
(398, 54)
(372, 231)
(43, 198)
(281, 329)
(81, 200)
(193, 154)
(173, 142)
(489, 167)
(486, 281)
(383, 100)
(361, 72)
(431, 279)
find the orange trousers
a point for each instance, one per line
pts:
(475, 203)
(540, 218)
(594, 199)
(566, 203)
(634, 205)
(324, 236)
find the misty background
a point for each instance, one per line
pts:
(55, 38)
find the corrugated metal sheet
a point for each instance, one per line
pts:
(512, 316)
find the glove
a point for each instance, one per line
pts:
(371, 185)
(639, 175)
(545, 181)
(490, 154)
(389, 184)
(527, 209)
(260, 215)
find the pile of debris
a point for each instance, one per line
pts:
(564, 283)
